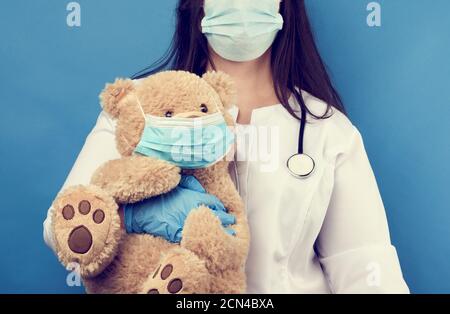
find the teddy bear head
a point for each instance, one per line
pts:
(165, 94)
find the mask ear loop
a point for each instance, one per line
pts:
(235, 144)
(143, 115)
(216, 103)
(140, 106)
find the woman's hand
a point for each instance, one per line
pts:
(164, 215)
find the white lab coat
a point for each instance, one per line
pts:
(324, 234)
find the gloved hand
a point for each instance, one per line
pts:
(164, 215)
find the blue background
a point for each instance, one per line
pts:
(394, 81)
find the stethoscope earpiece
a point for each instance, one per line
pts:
(300, 165)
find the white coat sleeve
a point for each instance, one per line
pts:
(354, 245)
(99, 147)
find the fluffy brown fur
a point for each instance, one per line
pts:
(207, 260)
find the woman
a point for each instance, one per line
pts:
(321, 233)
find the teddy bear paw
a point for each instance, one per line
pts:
(180, 272)
(87, 228)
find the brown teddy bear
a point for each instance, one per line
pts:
(86, 221)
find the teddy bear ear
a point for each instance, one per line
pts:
(113, 93)
(223, 85)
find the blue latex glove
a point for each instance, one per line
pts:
(164, 215)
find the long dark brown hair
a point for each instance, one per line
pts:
(295, 60)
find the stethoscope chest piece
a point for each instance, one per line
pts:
(300, 165)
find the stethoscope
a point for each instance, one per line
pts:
(301, 165)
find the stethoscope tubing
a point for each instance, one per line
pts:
(300, 157)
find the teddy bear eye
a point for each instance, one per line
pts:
(169, 114)
(203, 108)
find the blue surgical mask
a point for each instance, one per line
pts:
(241, 30)
(189, 143)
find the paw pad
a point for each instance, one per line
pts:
(80, 238)
(174, 285)
(68, 212)
(84, 207)
(99, 216)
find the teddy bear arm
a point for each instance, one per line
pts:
(204, 235)
(134, 178)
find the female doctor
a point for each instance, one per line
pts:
(316, 217)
